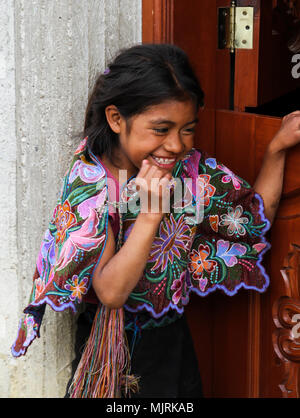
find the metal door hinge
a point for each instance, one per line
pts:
(235, 27)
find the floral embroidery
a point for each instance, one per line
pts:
(234, 221)
(205, 189)
(87, 172)
(202, 283)
(211, 162)
(81, 146)
(172, 237)
(64, 219)
(259, 246)
(83, 239)
(39, 287)
(200, 262)
(94, 202)
(229, 255)
(179, 285)
(46, 257)
(230, 176)
(48, 247)
(191, 164)
(30, 328)
(214, 222)
(77, 288)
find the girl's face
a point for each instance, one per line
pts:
(163, 134)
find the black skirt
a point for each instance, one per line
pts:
(163, 357)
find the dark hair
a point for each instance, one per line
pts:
(139, 77)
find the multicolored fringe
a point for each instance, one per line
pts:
(103, 371)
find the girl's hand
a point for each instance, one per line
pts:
(152, 184)
(288, 135)
(270, 179)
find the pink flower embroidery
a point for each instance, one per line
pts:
(81, 146)
(230, 176)
(88, 172)
(259, 246)
(83, 239)
(179, 285)
(92, 203)
(202, 284)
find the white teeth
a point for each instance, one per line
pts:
(164, 160)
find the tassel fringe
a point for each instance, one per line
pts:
(103, 371)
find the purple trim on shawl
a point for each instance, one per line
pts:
(151, 310)
(258, 263)
(49, 302)
(268, 245)
(262, 212)
(23, 350)
(35, 334)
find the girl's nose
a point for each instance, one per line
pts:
(174, 144)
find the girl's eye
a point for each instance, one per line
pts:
(161, 131)
(189, 131)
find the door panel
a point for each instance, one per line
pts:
(195, 31)
(247, 64)
(265, 72)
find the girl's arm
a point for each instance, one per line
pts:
(118, 273)
(270, 179)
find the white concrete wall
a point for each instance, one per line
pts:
(50, 54)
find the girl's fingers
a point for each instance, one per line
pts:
(153, 173)
(144, 168)
(292, 115)
(147, 170)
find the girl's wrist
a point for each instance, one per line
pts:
(274, 149)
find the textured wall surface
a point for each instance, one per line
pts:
(50, 54)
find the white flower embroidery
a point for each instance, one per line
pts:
(234, 220)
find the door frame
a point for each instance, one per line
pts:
(157, 21)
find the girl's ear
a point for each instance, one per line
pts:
(113, 118)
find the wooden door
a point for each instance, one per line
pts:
(246, 345)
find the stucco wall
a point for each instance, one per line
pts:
(50, 54)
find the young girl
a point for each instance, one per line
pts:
(132, 262)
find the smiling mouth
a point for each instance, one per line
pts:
(164, 162)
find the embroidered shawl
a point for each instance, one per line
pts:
(212, 238)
